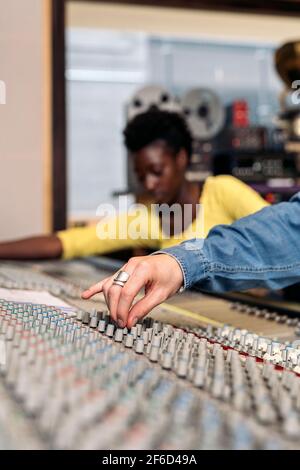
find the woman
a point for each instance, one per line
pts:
(160, 145)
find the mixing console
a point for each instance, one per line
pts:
(71, 379)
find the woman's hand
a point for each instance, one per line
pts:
(160, 275)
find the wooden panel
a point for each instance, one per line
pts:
(217, 25)
(47, 115)
(288, 7)
(59, 193)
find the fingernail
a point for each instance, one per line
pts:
(121, 323)
(134, 321)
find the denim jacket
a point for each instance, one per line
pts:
(261, 250)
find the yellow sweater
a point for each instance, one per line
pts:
(223, 200)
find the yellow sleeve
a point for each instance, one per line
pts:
(238, 199)
(124, 231)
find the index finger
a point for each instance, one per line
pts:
(121, 302)
(95, 289)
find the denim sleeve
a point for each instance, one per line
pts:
(261, 250)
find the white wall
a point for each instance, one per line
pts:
(25, 118)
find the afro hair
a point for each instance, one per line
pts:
(150, 126)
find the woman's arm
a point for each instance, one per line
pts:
(39, 247)
(121, 232)
(124, 231)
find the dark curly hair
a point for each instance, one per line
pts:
(152, 125)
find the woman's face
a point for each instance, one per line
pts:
(160, 172)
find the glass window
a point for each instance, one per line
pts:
(105, 68)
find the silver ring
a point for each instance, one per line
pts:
(119, 283)
(121, 278)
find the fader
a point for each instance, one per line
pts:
(76, 380)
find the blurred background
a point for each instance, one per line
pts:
(75, 72)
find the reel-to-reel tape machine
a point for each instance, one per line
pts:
(202, 108)
(224, 140)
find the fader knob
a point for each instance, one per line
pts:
(119, 335)
(139, 346)
(101, 326)
(134, 332)
(167, 360)
(154, 353)
(129, 339)
(110, 330)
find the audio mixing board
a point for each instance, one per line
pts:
(198, 373)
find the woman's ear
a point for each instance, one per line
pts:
(182, 159)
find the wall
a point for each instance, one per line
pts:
(242, 27)
(25, 119)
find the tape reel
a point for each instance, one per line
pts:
(204, 112)
(151, 97)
